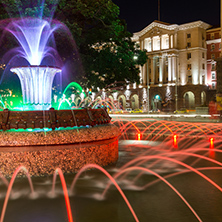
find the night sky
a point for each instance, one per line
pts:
(140, 13)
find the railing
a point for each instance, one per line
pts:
(52, 118)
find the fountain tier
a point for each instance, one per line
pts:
(36, 84)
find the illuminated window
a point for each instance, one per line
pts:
(165, 42)
(212, 35)
(188, 66)
(148, 44)
(156, 43)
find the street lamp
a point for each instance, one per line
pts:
(148, 83)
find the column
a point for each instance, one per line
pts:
(169, 69)
(143, 75)
(152, 70)
(161, 70)
(174, 68)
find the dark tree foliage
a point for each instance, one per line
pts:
(105, 49)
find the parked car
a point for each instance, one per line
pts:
(116, 111)
(182, 110)
(155, 111)
(136, 111)
(128, 110)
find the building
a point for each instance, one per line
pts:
(176, 70)
(176, 74)
(213, 52)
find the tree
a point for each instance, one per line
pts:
(105, 49)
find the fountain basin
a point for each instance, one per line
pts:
(41, 153)
(44, 140)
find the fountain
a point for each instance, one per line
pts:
(171, 173)
(39, 137)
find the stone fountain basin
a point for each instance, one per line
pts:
(69, 149)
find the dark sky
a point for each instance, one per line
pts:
(140, 13)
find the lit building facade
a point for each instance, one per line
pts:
(213, 52)
(176, 74)
(176, 70)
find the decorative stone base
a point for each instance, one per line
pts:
(78, 147)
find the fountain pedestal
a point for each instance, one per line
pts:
(36, 84)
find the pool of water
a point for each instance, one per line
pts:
(151, 199)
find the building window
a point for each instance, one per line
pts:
(148, 44)
(213, 75)
(203, 55)
(188, 66)
(213, 56)
(203, 79)
(189, 79)
(213, 85)
(189, 55)
(188, 35)
(188, 45)
(165, 42)
(156, 43)
(213, 66)
(203, 66)
(212, 35)
(212, 47)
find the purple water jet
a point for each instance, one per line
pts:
(36, 40)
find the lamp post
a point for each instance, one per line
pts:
(147, 82)
(176, 89)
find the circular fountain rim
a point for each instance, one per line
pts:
(36, 66)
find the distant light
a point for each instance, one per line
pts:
(138, 136)
(175, 145)
(211, 143)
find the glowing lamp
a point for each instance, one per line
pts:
(175, 145)
(211, 143)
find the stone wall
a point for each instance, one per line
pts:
(68, 150)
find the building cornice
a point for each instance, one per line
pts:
(175, 27)
(213, 41)
(137, 35)
(194, 25)
(192, 49)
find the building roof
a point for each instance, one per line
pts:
(168, 26)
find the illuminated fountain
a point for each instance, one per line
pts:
(45, 132)
(34, 36)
